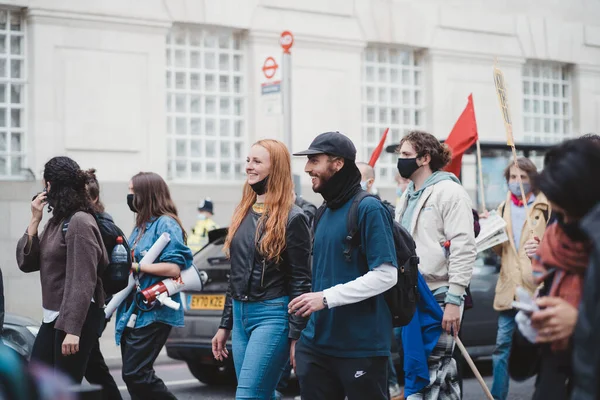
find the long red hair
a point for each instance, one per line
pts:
(278, 203)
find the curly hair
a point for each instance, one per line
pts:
(425, 143)
(67, 194)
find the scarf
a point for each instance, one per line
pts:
(518, 200)
(567, 260)
(342, 186)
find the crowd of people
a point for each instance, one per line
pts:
(298, 299)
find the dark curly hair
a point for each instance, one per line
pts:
(425, 143)
(67, 194)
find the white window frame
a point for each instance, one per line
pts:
(547, 102)
(394, 97)
(208, 132)
(8, 133)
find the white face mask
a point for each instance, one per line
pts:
(201, 217)
(363, 185)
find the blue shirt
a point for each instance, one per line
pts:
(518, 219)
(362, 329)
(175, 252)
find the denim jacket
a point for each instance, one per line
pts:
(175, 252)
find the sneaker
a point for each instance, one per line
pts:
(396, 392)
(297, 398)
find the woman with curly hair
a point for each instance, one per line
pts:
(269, 246)
(69, 261)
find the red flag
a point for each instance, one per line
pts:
(463, 136)
(378, 149)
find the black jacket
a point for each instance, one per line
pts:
(309, 209)
(586, 352)
(253, 279)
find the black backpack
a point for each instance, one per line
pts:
(115, 276)
(402, 297)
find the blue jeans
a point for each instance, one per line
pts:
(506, 327)
(260, 346)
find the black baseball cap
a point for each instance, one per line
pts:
(332, 143)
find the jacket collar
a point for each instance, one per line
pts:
(540, 203)
(403, 202)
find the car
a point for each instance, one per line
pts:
(192, 343)
(19, 333)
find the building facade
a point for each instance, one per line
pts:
(178, 87)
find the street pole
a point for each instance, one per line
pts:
(286, 87)
(286, 41)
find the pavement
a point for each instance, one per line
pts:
(112, 352)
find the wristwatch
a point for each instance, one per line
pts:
(325, 302)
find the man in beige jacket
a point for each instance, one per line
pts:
(516, 263)
(437, 212)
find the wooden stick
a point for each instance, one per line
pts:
(510, 139)
(480, 176)
(473, 367)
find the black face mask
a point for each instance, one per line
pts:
(571, 229)
(260, 187)
(407, 167)
(130, 203)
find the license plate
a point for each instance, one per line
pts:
(207, 302)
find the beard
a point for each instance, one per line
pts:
(322, 180)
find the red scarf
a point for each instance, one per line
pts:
(568, 260)
(518, 200)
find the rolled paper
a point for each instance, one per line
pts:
(149, 258)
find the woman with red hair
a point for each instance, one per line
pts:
(269, 244)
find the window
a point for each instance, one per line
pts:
(547, 102)
(206, 105)
(392, 96)
(12, 94)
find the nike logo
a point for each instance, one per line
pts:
(358, 374)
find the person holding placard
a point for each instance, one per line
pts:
(142, 330)
(515, 267)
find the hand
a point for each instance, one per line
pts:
(37, 207)
(293, 354)
(219, 344)
(306, 304)
(70, 345)
(531, 246)
(556, 321)
(451, 321)
(485, 214)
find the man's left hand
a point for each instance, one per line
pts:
(451, 321)
(306, 304)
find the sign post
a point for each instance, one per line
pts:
(286, 41)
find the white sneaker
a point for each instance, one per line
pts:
(396, 392)
(297, 398)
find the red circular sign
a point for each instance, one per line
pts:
(286, 41)
(270, 67)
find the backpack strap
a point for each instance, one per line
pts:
(353, 238)
(65, 225)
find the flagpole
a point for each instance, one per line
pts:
(481, 190)
(473, 367)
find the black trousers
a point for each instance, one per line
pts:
(139, 348)
(98, 373)
(48, 345)
(331, 378)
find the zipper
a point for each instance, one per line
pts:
(262, 278)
